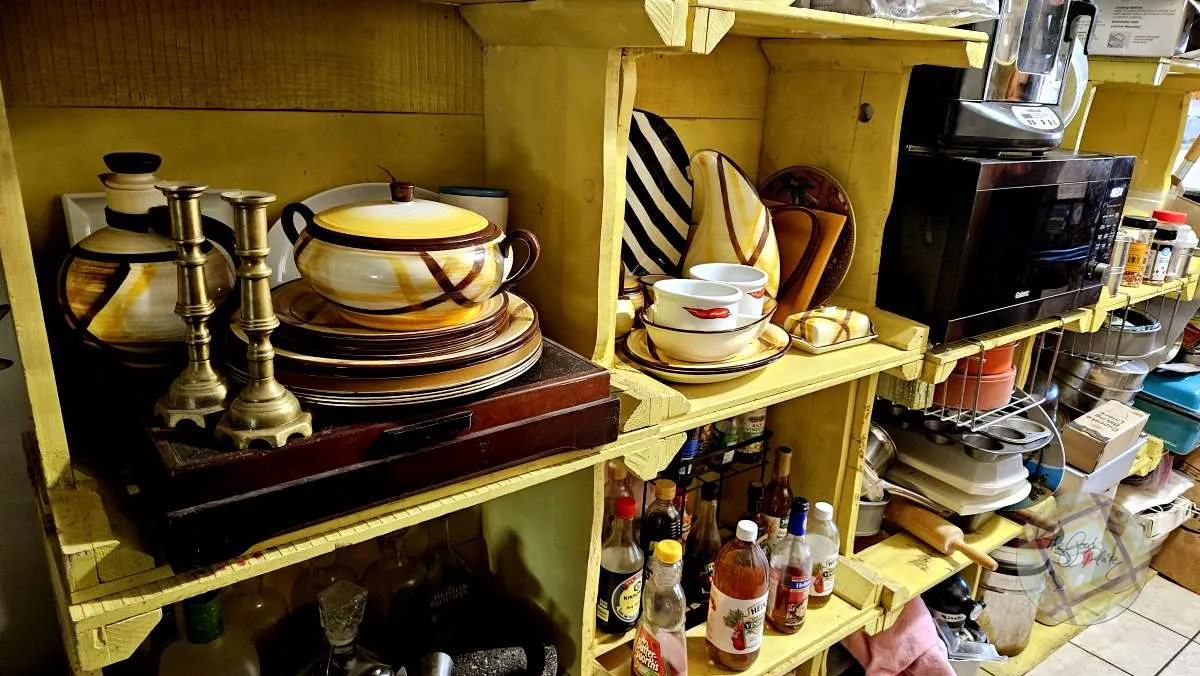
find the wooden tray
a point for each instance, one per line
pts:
(211, 504)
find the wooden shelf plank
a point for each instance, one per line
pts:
(1146, 72)
(361, 526)
(759, 19)
(780, 653)
(793, 376)
(908, 567)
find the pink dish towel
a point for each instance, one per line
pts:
(911, 646)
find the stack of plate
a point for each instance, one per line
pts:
(324, 359)
(767, 348)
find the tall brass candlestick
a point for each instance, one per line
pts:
(199, 391)
(264, 410)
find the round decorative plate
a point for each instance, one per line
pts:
(521, 329)
(310, 324)
(764, 351)
(336, 391)
(817, 189)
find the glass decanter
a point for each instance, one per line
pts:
(391, 583)
(342, 605)
(259, 611)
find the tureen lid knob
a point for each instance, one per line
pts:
(402, 192)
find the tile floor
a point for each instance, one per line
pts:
(1157, 636)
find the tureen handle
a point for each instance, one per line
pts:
(535, 250)
(288, 219)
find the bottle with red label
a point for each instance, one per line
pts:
(621, 562)
(737, 602)
(660, 646)
(791, 574)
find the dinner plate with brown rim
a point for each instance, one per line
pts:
(341, 391)
(304, 315)
(521, 328)
(768, 348)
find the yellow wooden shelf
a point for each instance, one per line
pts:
(908, 567)
(1149, 72)
(795, 375)
(367, 524)
(756, 18)
(606, 643)
(780, 653)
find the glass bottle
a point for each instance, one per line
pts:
(754, 424)
(320, 573)
(737, 605)
(703, 544)
(681, 470)
(1141, 234)
(618, 485)
(730, 433)
(391, 584)
(660, 646)
(209, 648)
(823, 538)
(791, 574)
(777, 499)
(662, 520)
(754, 498)
(260, 612)
(342, 605)
(621, 563)
(448, 582)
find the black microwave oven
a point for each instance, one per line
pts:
(975, 244)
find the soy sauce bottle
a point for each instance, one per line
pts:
(620, 599)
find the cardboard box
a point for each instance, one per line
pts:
(1140, 27)
(1105, 478)
(1105, 432)
(1178, 556)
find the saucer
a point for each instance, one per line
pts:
(767, 348)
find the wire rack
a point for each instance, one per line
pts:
(964, 413)
(1131, 332)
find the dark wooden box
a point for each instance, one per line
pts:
(208, 504)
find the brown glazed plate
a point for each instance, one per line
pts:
(339, 391)
(817, 189)
(521, 328)
(307, 318)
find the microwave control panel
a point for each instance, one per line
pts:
(1106, 227)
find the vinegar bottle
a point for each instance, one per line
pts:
(737, 605)
(703, 545)
(660, 647)
(777, 500)
(791, 574)
(823, 538)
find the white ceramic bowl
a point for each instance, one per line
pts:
(751, 281)
(704, 346)
(696, 305)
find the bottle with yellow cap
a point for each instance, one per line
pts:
(660, 647)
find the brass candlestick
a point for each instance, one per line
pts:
(199, 391)
(264, 410)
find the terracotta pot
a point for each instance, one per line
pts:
(959, 390)
(995, 361)
(407, 264)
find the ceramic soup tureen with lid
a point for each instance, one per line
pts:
(405, 264)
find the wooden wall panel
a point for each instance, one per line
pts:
(360, 55)
(293, 154)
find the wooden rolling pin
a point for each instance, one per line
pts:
(935, 531)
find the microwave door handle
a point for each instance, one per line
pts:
(1064, 255)
(1075, 11)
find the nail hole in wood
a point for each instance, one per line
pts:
(865, 112)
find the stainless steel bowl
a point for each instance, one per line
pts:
(1125, 375)
(870, 516)
(881, 450)
(1137, 333)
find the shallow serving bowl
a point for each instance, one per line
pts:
(706, 346)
